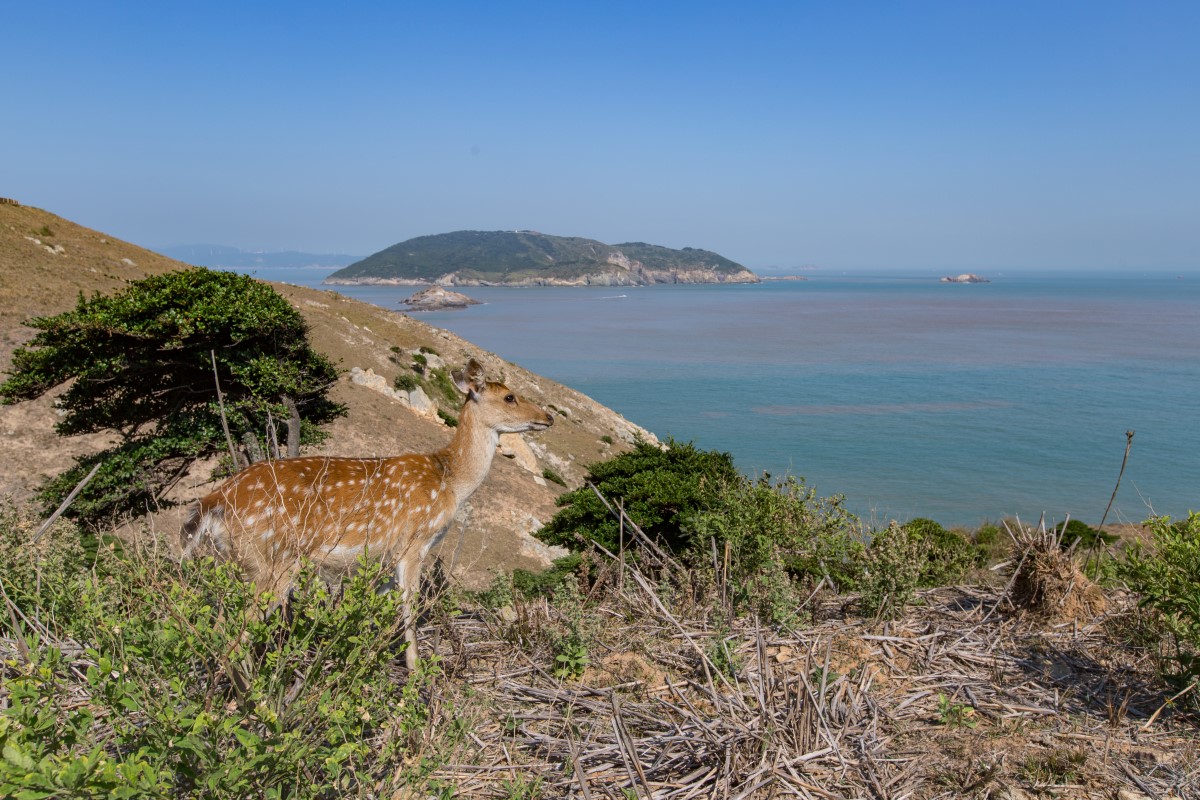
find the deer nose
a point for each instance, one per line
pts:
(549, 419)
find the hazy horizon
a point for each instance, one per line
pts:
(931, 137)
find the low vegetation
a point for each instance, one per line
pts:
(644, 671)
(1166, 578)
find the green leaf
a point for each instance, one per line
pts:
(19, 759)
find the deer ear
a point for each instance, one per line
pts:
(470, 380)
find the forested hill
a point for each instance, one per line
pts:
(528, 258)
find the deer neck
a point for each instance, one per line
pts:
(469, 456)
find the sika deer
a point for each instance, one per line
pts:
(329, 511)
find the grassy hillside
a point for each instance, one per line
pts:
(47, 261)
(656, 257)
(517, 256)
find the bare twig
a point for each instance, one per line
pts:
(237, 462)
(58, 512)
(1124, 460)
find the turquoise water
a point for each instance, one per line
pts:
(964, 403)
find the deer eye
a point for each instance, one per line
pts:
(508, 398)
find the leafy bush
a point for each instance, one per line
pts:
(1075, 530)
(991, 543)
(406, 382)
(946, 556)
(162, 333)
(441, 382)
(1167, 580)
(774, 539)
(659, 487)
(553, 477)
(181, 688)
(892, 568)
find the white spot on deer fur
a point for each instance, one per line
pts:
(433, 494)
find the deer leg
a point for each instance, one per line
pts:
(408, 595)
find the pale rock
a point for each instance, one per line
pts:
(512, 446)
(556, 462)
(416, 400)
(419, 401)
(541, 552)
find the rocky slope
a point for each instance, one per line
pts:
(37, 278)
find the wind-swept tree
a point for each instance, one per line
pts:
(181, 366)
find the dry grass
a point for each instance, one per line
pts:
(1046, 580)
(958, 698)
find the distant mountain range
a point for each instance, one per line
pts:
(215, 255)
(529, 258)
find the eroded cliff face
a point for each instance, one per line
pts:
(697, 275)
(614, 277)
(623, 272)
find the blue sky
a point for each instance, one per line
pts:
(918, 136)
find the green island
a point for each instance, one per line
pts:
(528, 258)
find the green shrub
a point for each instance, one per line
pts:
(448, 418)
(773, 539)
(406, 382)
(532, 584)
(442, 383)
(1087, 537)
(946, 556)
(780, 540)
(606, 439)
(1167, 581)
(659, 487)
(991, 543)
(892, 568)
(553, 477)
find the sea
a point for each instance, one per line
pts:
(964, 403)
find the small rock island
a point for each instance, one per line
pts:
(436, 298)
(966, 277)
